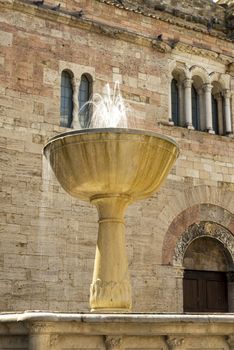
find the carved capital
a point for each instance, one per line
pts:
(187, 83)
(227, 94)
(54, 339)
(75, 83)
(174, 342)
(230, 341)
(112, 342)
(207, 88)
(37, 328)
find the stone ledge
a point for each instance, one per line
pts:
(31, 316)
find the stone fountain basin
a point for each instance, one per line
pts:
(94, 162)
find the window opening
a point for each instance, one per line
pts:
(83, 98)
(66, 103)
(175, 102)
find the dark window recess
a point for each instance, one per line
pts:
(205, 291)
(174, 102)
(215, 115)
(66, 102)
(83, 98)
(195, 109)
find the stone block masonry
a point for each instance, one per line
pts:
(47, 239)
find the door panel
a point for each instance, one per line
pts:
(205, 291)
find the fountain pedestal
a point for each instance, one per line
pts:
(111, 289)
(111, 168)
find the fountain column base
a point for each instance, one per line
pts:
(111, 289)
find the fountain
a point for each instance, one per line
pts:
(111, 168)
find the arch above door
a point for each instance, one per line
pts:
(204, 229)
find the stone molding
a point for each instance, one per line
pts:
(203, 229)
(112, 342)
(173, 16)
(182, 47)
(37, 327)
(70, 18)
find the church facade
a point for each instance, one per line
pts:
(174, 63)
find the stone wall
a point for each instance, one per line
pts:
(47, 239)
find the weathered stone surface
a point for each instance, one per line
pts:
(47, 239)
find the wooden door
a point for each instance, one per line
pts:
(205, 291)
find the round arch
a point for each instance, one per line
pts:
(189, 216)
(204, 229)
(177, 69)
(222, 79)
(200, 72)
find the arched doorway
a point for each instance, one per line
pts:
(206, 253)
(205, 285)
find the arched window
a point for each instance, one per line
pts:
(174, 102)
(215, 120)
(83, 98)
(195, 109)
(66, 103)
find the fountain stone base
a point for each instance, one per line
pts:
(111, 168)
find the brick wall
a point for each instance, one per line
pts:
(47, 239)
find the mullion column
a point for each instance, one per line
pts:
(227, 112)
(188, 103)
(208, 108)
(75, 113)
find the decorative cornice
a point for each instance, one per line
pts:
(173, 16)
(70, 18)
(182, 47)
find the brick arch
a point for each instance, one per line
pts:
(194, 215)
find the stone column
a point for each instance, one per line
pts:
(188, 103)
(75, 113)
(174, 342)
(208, 108)
(227, 111)
(110, 289)
(113, 342)
(39, 339)
(230, 278)
(218, 98)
